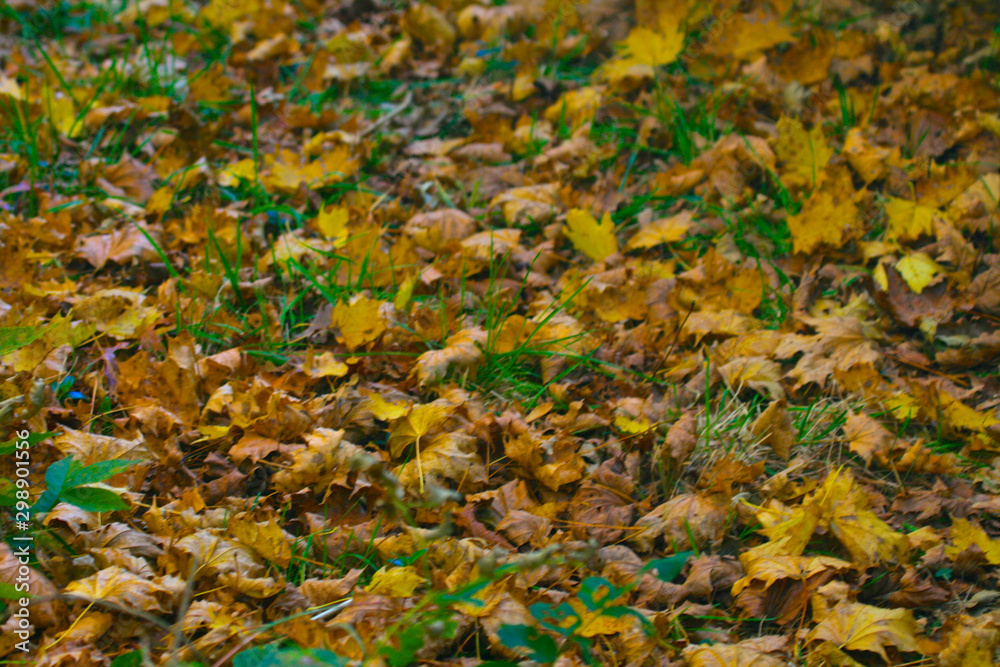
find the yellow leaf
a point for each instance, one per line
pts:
(594, 622)
(117, 585)
(405, 294)
(828, 218)
(231, 176)
(803, 152)
(420, 420)
(860, 627)
(575, 107)
(323, 365)
(909, 220)
(61, 110)
(626, 424)
(332, 223)
(213, 432)
(918, 270)
(384, 410)
(11, 87)
(618, 70)
(646, 47)
(750, 34)
(360, 322)
(594, 239)
(965, 534)
(399, 582)
(266, 538)
(728, 655)
(664, 230)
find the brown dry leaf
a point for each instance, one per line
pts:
(780, 587)
(14, 573)
(757, 373)
(322, 462)
(554, 461)
(871, 162)
(774, 426)
(970, 641)
(729, 655)
(867, 437)
(681, 440)
(698, 517)
(536, 203)
(435, 230)
(463, 350)
(119, 247)
(448, 456)
(603, 506)
(327, 591)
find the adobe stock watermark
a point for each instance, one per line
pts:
(22, 540)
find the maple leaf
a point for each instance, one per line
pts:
(729, 655)
(805, 153)
(867, 437)
(266, 538)
(664, 230)
(359, 321)
(861, 627)
(397, 582)
(462, 350)
(965, 534)
(594, 239)
(117, 585)
(646, 47)
(830, 216)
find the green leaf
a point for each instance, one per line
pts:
(8, 592)
(668, 568)
(542, 647)
(130, 659)
(554, 618)
(94, 499)
(55, 481)
(289, 656)
(411, 640)
(590, 586)
(8, 446)
(13, 338)
(98, 472)
(7, 491)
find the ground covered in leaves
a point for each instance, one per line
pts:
(451, 332)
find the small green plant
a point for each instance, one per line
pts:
(68, 481)
(561, 627)
(273, 655)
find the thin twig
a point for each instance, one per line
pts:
(389, 116)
